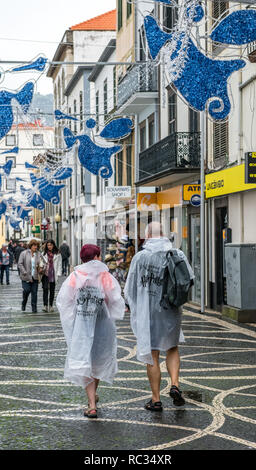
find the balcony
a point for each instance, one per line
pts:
(138, 86)
(251, 51)
(179, 153)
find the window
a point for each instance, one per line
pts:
(105, 93)
(38, 140)
(75, 122)
(63, 84)
(220, 140)
(219, 8)
(82, 179)
(13, 159)
(97, 110)
(151, 130)
(170, 17)
(120, 168)
(71, 187)
(81, 110)
(143, 136)
(11, 184)
(114, 86)
(194, 121)
(97, 185)
(10, 140)
(172, 103)
(69, 112)
(129, 161)
(128, 8)
(120, 14)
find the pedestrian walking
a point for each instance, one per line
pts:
(6, 261)
(155, 321)
(11, 248)
(17, 252)
(28, 268)
(50, 266)
(65, 255)
(89, 302)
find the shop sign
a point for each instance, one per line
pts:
(250, 167)
(226, 181)
(190, 190)
(147, 202)
(119, 192)
(195, 200)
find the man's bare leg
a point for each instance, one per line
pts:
(154, 376)
(173, 365)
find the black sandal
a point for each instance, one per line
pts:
(175, 394)
(157, 406)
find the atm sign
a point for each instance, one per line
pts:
(190, 190)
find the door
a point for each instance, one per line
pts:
(195, 257)
(221, 221)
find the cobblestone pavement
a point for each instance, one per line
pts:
(39, 410)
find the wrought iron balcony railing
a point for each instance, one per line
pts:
(251, 51)
(177, 151)
(139, 78)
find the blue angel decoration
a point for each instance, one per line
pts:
(33, 199)
(23, 97)
(203, 80)
(47, 191)
(38, 64)
(6, 170)
(3, 208)
(59, 115)
(96, 158)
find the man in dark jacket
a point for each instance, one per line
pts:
(65, 254)
(6, 260)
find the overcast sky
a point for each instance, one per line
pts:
(24, 22)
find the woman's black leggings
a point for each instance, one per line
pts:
(48, 287)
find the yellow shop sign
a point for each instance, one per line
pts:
(190, 190)
(231, 180)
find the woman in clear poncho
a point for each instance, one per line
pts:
(89, 302)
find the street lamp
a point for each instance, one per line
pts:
(33, 229)
(57, 220)
(44, 223)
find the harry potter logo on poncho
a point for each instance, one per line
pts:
(89, 299)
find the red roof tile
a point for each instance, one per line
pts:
(105, 22)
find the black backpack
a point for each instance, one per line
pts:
(177, 281)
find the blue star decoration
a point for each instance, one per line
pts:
(238, 28)
(96, 158)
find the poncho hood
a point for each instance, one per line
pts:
(157, 244)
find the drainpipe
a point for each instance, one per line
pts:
(202, 209)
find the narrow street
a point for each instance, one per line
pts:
(40, 410)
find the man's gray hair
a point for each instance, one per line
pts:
(154, 230)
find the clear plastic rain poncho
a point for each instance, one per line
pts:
(89, 302)
(155, 327)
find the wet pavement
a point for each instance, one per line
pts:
(40, 410)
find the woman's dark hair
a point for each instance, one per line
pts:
(88, 252)
(54, 250)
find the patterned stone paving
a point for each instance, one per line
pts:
(40, 410)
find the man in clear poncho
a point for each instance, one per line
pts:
(156, 327)
(89, 302)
